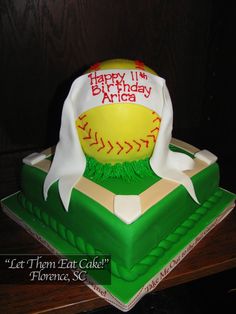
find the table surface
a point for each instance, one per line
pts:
(215, 253)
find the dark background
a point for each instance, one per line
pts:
(44, 45)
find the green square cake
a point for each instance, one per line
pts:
(118, 196)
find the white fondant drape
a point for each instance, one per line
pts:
(69, 161)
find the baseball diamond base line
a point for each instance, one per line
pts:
(166, 264)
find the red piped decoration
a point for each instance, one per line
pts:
(156, 129)
(84, 126)
(89, 136)
(157, 119)
(121, 148)
(145, 141)
(96, 140)
(139, 65)
(95, 67)
(153, 137)
(111, 147)
(108, 146)
(84, 116)
(103, 145)
(139, 145)
(130, 147)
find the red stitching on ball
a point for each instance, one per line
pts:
(95, 66)
(153, 137)
(109, 143)
(130, 147)
(138, 145)
(145, 141)
(89, 136)
(155, 130)
(84, 126)
(121, 148)
(157, 119)
(139, 65)
(111, 147)
(103, 145)
(96, 140)
(84, 116)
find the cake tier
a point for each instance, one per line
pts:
(126, 287)
(143, 252)
(98, 230)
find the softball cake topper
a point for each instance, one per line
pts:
(119, 111)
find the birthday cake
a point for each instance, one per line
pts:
(117, 183)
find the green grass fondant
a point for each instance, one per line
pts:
(127, 171)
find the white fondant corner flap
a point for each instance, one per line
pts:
(180, 161)
(206, 156)
(127, 207)
(69, 161)
(166, 163)
(65, 188)
(33, 158)
(181, 178)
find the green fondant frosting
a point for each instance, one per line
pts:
(138, 250)
(145, 263)
(89, 220)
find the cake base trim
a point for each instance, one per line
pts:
(125, 299)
